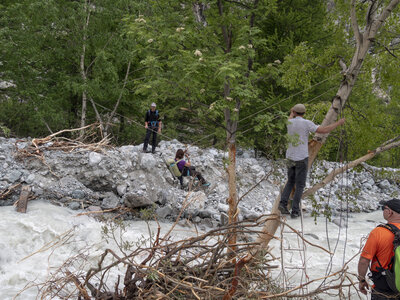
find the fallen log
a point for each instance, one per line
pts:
(22, 203)
(393, 143)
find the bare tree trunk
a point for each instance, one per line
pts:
(231, 126)
(363, 40)
(232, 200)
(82, 69)
(112, 114)
(371, 154)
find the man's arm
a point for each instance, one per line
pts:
(291, 116)
(159, 126)
(329, 128)
(363, 265)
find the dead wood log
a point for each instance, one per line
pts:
(22, 203)
(8, 191)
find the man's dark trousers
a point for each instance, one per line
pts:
(150, 130)
(379, 296)
(297, 175)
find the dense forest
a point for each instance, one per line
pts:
(212, 67)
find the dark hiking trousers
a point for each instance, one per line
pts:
(149, 131)
(297, 175)
(191, 171)
(375, 295)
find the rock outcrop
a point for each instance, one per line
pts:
(126, 177)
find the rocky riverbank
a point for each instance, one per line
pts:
(125, 177)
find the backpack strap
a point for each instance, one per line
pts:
(176, 162)
(392, 228)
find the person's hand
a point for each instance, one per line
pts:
(291, 116)
(342, 121)
(363, 286)
(159, 130)
(145, 126)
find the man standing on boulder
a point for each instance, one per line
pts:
(297, 156)
(152, 123)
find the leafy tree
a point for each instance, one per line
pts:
(62, 55)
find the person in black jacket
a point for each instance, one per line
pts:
(152, 123)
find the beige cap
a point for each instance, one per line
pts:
(153, 105)
(299, 108)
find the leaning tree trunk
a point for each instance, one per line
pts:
(371, 154)
(363, 43)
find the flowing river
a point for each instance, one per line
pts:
(34, 245)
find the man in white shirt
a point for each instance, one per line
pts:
(297, 156)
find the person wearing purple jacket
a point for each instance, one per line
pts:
(186, 168)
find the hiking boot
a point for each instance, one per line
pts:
(294, 215)
(284, 210)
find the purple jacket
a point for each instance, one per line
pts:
(181, 164)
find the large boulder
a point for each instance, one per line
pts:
(133, 200)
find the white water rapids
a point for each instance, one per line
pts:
(24, 239)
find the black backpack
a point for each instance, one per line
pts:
(392, 273)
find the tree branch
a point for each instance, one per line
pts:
(119, 99)
(393, 143)
(377, 23)
(354, 23)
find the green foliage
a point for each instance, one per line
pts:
(4, 130)
(280, 53)
(149, 213)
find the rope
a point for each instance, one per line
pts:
(278, 116)
(289, 97)
(129, 119)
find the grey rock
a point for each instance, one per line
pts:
(163, 197)
(367, 186)
(78, 194)
(206, 213)
(94, 208)
(196, 201)
(223, 207)
(95, 158)
(207, 222)
(30, 179)
(134, 201)
(384, 184)
(121, 189)
(110, 200)
(13, 176)
(147, 161)
(197, 219)
(164, 212)
(74, 205)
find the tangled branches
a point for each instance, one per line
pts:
(195, 268)
(199, 267)
(57, 142)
